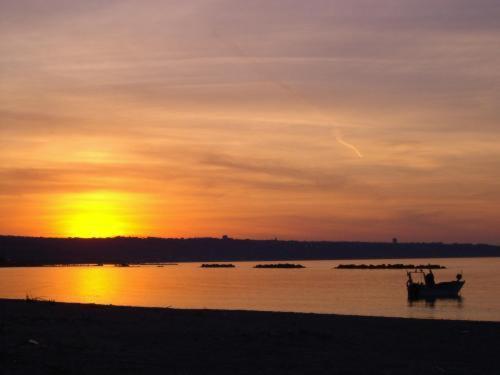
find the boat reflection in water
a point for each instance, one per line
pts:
(421, 285)
(432, 302)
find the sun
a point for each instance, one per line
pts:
(95, 214)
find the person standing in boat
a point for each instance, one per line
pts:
(429, 279)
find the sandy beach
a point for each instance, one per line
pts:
(57, 338)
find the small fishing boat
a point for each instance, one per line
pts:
(427, 288)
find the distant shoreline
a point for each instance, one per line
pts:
(34, 251)
(48, 337)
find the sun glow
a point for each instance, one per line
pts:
(96, 214)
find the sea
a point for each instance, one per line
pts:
(317, 288)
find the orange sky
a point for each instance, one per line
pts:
(203, 118)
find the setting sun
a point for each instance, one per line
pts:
(96, 214)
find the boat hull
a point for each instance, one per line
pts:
(450, 289)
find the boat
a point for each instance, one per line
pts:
(427, 288)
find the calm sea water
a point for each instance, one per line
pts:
(317, 288)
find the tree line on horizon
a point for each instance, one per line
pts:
(16, 250)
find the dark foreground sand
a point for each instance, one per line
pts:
(92, 339)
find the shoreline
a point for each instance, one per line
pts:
(72, 338)
(41, 300)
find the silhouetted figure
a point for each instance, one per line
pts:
(410, 279)
(429, 279)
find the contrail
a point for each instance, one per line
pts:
(285, 88)
(339, 139)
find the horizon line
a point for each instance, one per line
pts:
(228, 238)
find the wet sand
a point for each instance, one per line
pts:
(57, 338)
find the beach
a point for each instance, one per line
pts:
(63, 338)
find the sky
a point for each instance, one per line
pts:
(319, 120)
